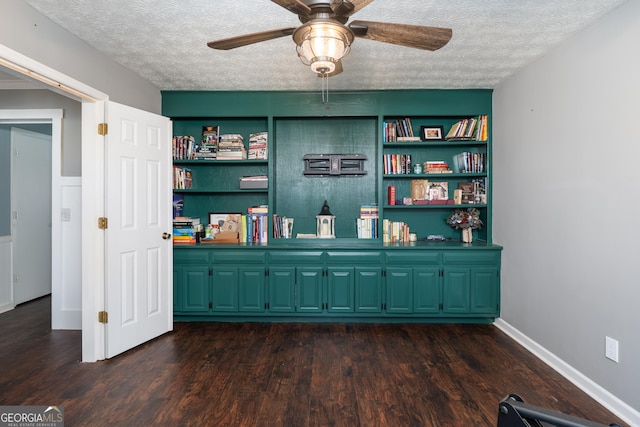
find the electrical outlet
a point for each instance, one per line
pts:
(611, 349)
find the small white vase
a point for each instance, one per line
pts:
(467, 235)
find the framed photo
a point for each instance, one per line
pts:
(431, 133)
(224, 221)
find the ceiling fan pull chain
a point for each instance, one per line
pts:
(325, 89)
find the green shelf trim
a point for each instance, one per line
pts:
(220, 162)
(442, 206)
(443, 143)
(247, 191)
(433, 175)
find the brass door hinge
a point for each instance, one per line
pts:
(103, 223)
(103, 128)
(103, 317)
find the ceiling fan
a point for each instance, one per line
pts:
(324, 37)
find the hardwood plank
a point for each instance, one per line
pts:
(290, 374)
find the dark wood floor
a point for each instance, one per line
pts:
(279, 374)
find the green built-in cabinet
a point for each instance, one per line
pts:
(435, 282)
(345, 277)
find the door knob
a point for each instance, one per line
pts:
(166, 236)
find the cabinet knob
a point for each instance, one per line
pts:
(166, 236)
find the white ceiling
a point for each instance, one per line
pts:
(164, 41)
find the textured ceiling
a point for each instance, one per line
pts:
(165, 41)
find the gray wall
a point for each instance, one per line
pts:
(28, 32)
(71, 121)
(5, 181)
(566, 200)
(5, 170)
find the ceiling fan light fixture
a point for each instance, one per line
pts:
(322, 43)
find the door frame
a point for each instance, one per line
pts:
(93, 200)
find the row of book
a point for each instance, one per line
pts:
(399, 131)
(471, 129)
(395, 231)
(182, 178)
(397, 164)
(468, 162)
(282, 227)
(216, 146)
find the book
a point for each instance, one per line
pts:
(438, 191)
(468, 192)
(391, 195)
(178, 205)
(419, 189)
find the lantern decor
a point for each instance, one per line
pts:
(325, 223)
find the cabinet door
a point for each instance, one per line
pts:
(251, 289)
(225, 289)
(282, 289)
(309, 289)
(399, 290)
(368, 290)
(340, 290)
(426, 290)
(485, 290)
(195, 289)
(456, 288)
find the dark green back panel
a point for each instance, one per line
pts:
(300, 196)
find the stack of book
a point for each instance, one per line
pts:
(253, 182)
(209, 144)
(367, 224)
(185, 229)
(258, 146)
(183, 147)
(182, 178)
(436, 166)
(231, 147)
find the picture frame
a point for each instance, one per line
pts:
(432, 133)
(225, 221)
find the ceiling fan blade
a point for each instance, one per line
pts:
(295, 6)
(420, 37)
(337, 71)
(233, 42)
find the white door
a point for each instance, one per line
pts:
(139, 255)
(31, 214)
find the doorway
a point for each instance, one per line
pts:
(30, 211)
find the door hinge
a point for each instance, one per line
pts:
(103, 128)
(103, 223)
(103, 317)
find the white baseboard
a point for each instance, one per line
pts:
(6, 307)
(599, 394)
